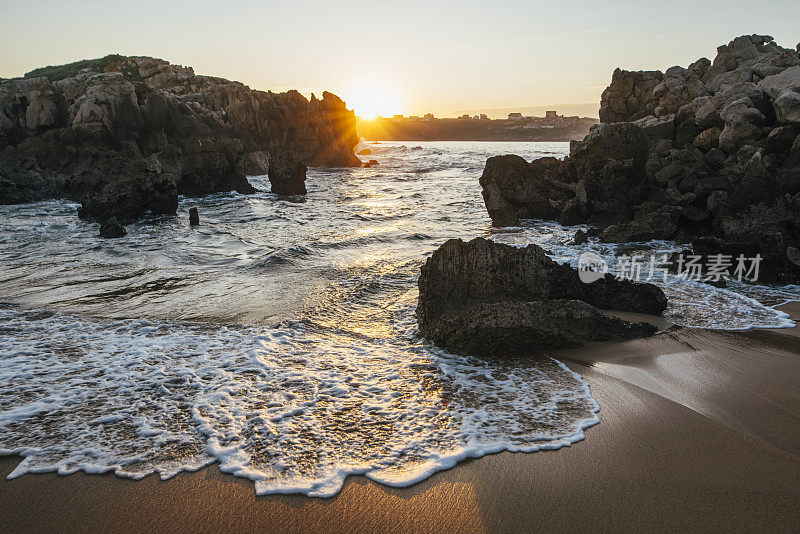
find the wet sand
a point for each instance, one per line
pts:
(699, 430)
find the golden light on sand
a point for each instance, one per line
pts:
(371, 99)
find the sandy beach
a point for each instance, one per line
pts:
(698, 431)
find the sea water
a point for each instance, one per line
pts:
(278, 338)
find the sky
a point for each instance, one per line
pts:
(411, 57)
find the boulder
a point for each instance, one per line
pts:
(629, 96)
(657, 128)
(111, 228)
(707, 139)
(787, 80)
(787, 107)
(743, 122)
(194, 217)
(483, 297)
(513, 189)
(780, 139)
(679, 87)
(287, 175)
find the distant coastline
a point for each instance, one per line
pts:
(477, 128)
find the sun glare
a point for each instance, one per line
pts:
(370, 100)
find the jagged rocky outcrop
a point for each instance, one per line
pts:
(707, 151)
(125, 135)
(483, 297)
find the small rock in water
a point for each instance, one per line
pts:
(194, 217)
(580, 238)
(111, 228)
(371, 163)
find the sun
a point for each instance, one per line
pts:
(371, 99)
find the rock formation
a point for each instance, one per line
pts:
(483, 297)
(711, 150)
(125, 135)
(287, 175)
(111, 228)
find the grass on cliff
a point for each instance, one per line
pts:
(110, 63)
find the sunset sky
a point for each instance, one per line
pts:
(407, 56)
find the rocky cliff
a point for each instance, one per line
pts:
(125, 135)
(708, 154)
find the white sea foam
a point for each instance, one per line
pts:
(293, 408)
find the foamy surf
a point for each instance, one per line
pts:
(294, 409)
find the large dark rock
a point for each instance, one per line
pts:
(484, 297)
(711, 150)
(513, 191)
(287, 175)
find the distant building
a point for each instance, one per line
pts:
(550, 114)
(515, 116)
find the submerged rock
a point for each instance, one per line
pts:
(111, 228)
(483, 297)
(287, 175)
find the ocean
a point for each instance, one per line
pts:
(278, 338)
